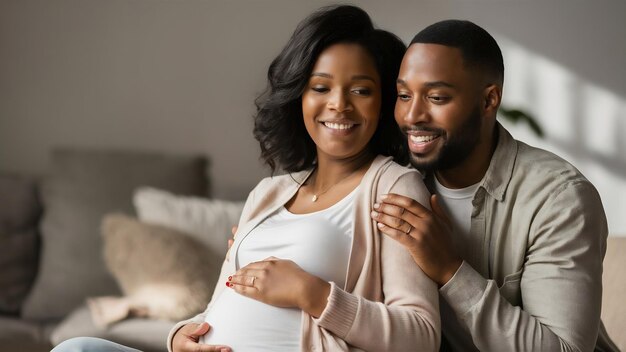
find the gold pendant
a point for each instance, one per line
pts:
(314, 199)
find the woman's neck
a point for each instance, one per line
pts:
(332, 180)
(332, 171)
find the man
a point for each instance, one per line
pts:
(519, 262)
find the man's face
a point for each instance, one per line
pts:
(438, 107)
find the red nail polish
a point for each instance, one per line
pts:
(228, 284)
(230, 278)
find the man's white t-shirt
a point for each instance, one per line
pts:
(458, 205)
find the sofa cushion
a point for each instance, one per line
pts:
(163, 273)
(17, 334)
(614, 286)
(15, 328)
(148, 335)
(83, 186)
(19, 215)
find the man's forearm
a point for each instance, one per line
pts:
(495, 324)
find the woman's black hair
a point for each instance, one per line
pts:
(279, 125)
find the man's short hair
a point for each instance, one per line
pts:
(478, 48)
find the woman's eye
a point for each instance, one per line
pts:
(361, 91)
(319, 89)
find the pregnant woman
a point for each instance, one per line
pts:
(308, 269)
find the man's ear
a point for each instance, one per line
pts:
(492, 96)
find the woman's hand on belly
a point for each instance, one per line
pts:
(187, 337)
(281, 283)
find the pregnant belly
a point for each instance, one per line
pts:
(248, 325)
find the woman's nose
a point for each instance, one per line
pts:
(339, 102)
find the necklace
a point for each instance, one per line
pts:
(316, 196)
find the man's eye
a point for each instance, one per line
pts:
(404, 97)
(438, 98)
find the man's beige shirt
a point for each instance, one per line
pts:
(532, 275)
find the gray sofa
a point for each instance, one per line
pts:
(51, 250)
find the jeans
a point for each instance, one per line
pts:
(91, 344)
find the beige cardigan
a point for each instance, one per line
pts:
(388, 303)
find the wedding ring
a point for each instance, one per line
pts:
(253, 278)
(410, 228)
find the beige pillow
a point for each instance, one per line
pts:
(163, 273)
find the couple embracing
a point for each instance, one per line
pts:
(348, 249)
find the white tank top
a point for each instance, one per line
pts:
(318, 242)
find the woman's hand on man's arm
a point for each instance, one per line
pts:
(233, 230)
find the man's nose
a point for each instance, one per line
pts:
(416, 112)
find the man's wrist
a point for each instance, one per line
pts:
(449, 272)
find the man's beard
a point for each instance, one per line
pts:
(456, 148)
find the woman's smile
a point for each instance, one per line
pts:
(341, 104)
(342, 127)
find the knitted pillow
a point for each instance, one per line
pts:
(163, 273)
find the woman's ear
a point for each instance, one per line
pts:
(492, 96)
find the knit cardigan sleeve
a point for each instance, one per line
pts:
(407, 318)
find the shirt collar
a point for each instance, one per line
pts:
(500, 170)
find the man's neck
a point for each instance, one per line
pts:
(471, 170)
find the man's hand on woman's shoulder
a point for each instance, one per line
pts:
(425, 233)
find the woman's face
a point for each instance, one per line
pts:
(341, 103)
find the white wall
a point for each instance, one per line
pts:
(181, 76)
